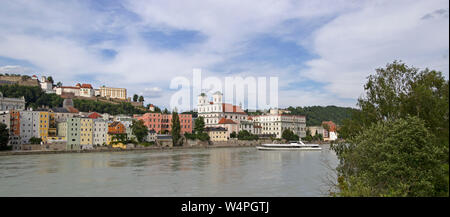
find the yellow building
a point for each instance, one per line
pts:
(86, 131)
(119, 145)
(111, 92)
(44, 124)
(217, 134)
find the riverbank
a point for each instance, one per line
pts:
(152, 148)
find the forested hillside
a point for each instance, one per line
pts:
(316, 114)
(35, 97)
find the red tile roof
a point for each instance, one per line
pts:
(86, 86)
(72, 109)
(69, 87)
(226, 121)
(94, 115)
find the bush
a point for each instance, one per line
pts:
(392, 158)
(245, 135)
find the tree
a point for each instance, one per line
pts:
(165, 111)
(135, 98)
(316, 114)
(199, 125)
(398, 91)
(59, 84)
(392, 158)
(175, 129)
(49, 78)
(245, 135)
(139, 130)
(34, 140)
(4, 136)
(289, 135)
(233, 134)
(119, 138)
(396, 96)
(141, 98)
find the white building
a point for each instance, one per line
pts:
(99, 131)
(46, 85)
(275, 123)
(68, 90)
(86, 90)
(11, 103)
(29, 125)
(213, 111)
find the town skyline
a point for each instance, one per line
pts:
(318, 50)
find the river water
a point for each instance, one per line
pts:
(184, 172)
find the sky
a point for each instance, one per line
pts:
(321, 51)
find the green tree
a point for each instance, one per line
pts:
(245, 135)
(59, 84)
(139, 130)
(392, 158)
(233, 134)
(34, 140)
(395, 94)
(135, 98)
(199, 125)
(49, 78)
(141, 98)
(316, 114)
(398, 91)
(176, 129)
(4, 136)
(289, 135)
(119, 138)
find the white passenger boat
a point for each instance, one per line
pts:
(291, 146)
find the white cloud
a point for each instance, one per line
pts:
(362, 37)
(15, 69)
(153, 92)
(354, 44)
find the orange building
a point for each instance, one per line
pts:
(15, 122)
(163, 122)
(116, 128)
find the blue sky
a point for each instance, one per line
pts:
(321, 51)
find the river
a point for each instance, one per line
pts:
(240, 171)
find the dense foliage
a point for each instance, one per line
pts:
(289, 135)
(34, 140)
(176, 129)
(245, 135)
(309, 138)
(199, 125)
(402, 125)
(104, 107)
(34, 96)
(316, 114)
(393, 158)
(139, 130)
(198, 131)
(4, 137)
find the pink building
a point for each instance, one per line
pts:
(163, 122)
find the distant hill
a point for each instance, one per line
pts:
(316, 114)
(23, 80)
(35, 98)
